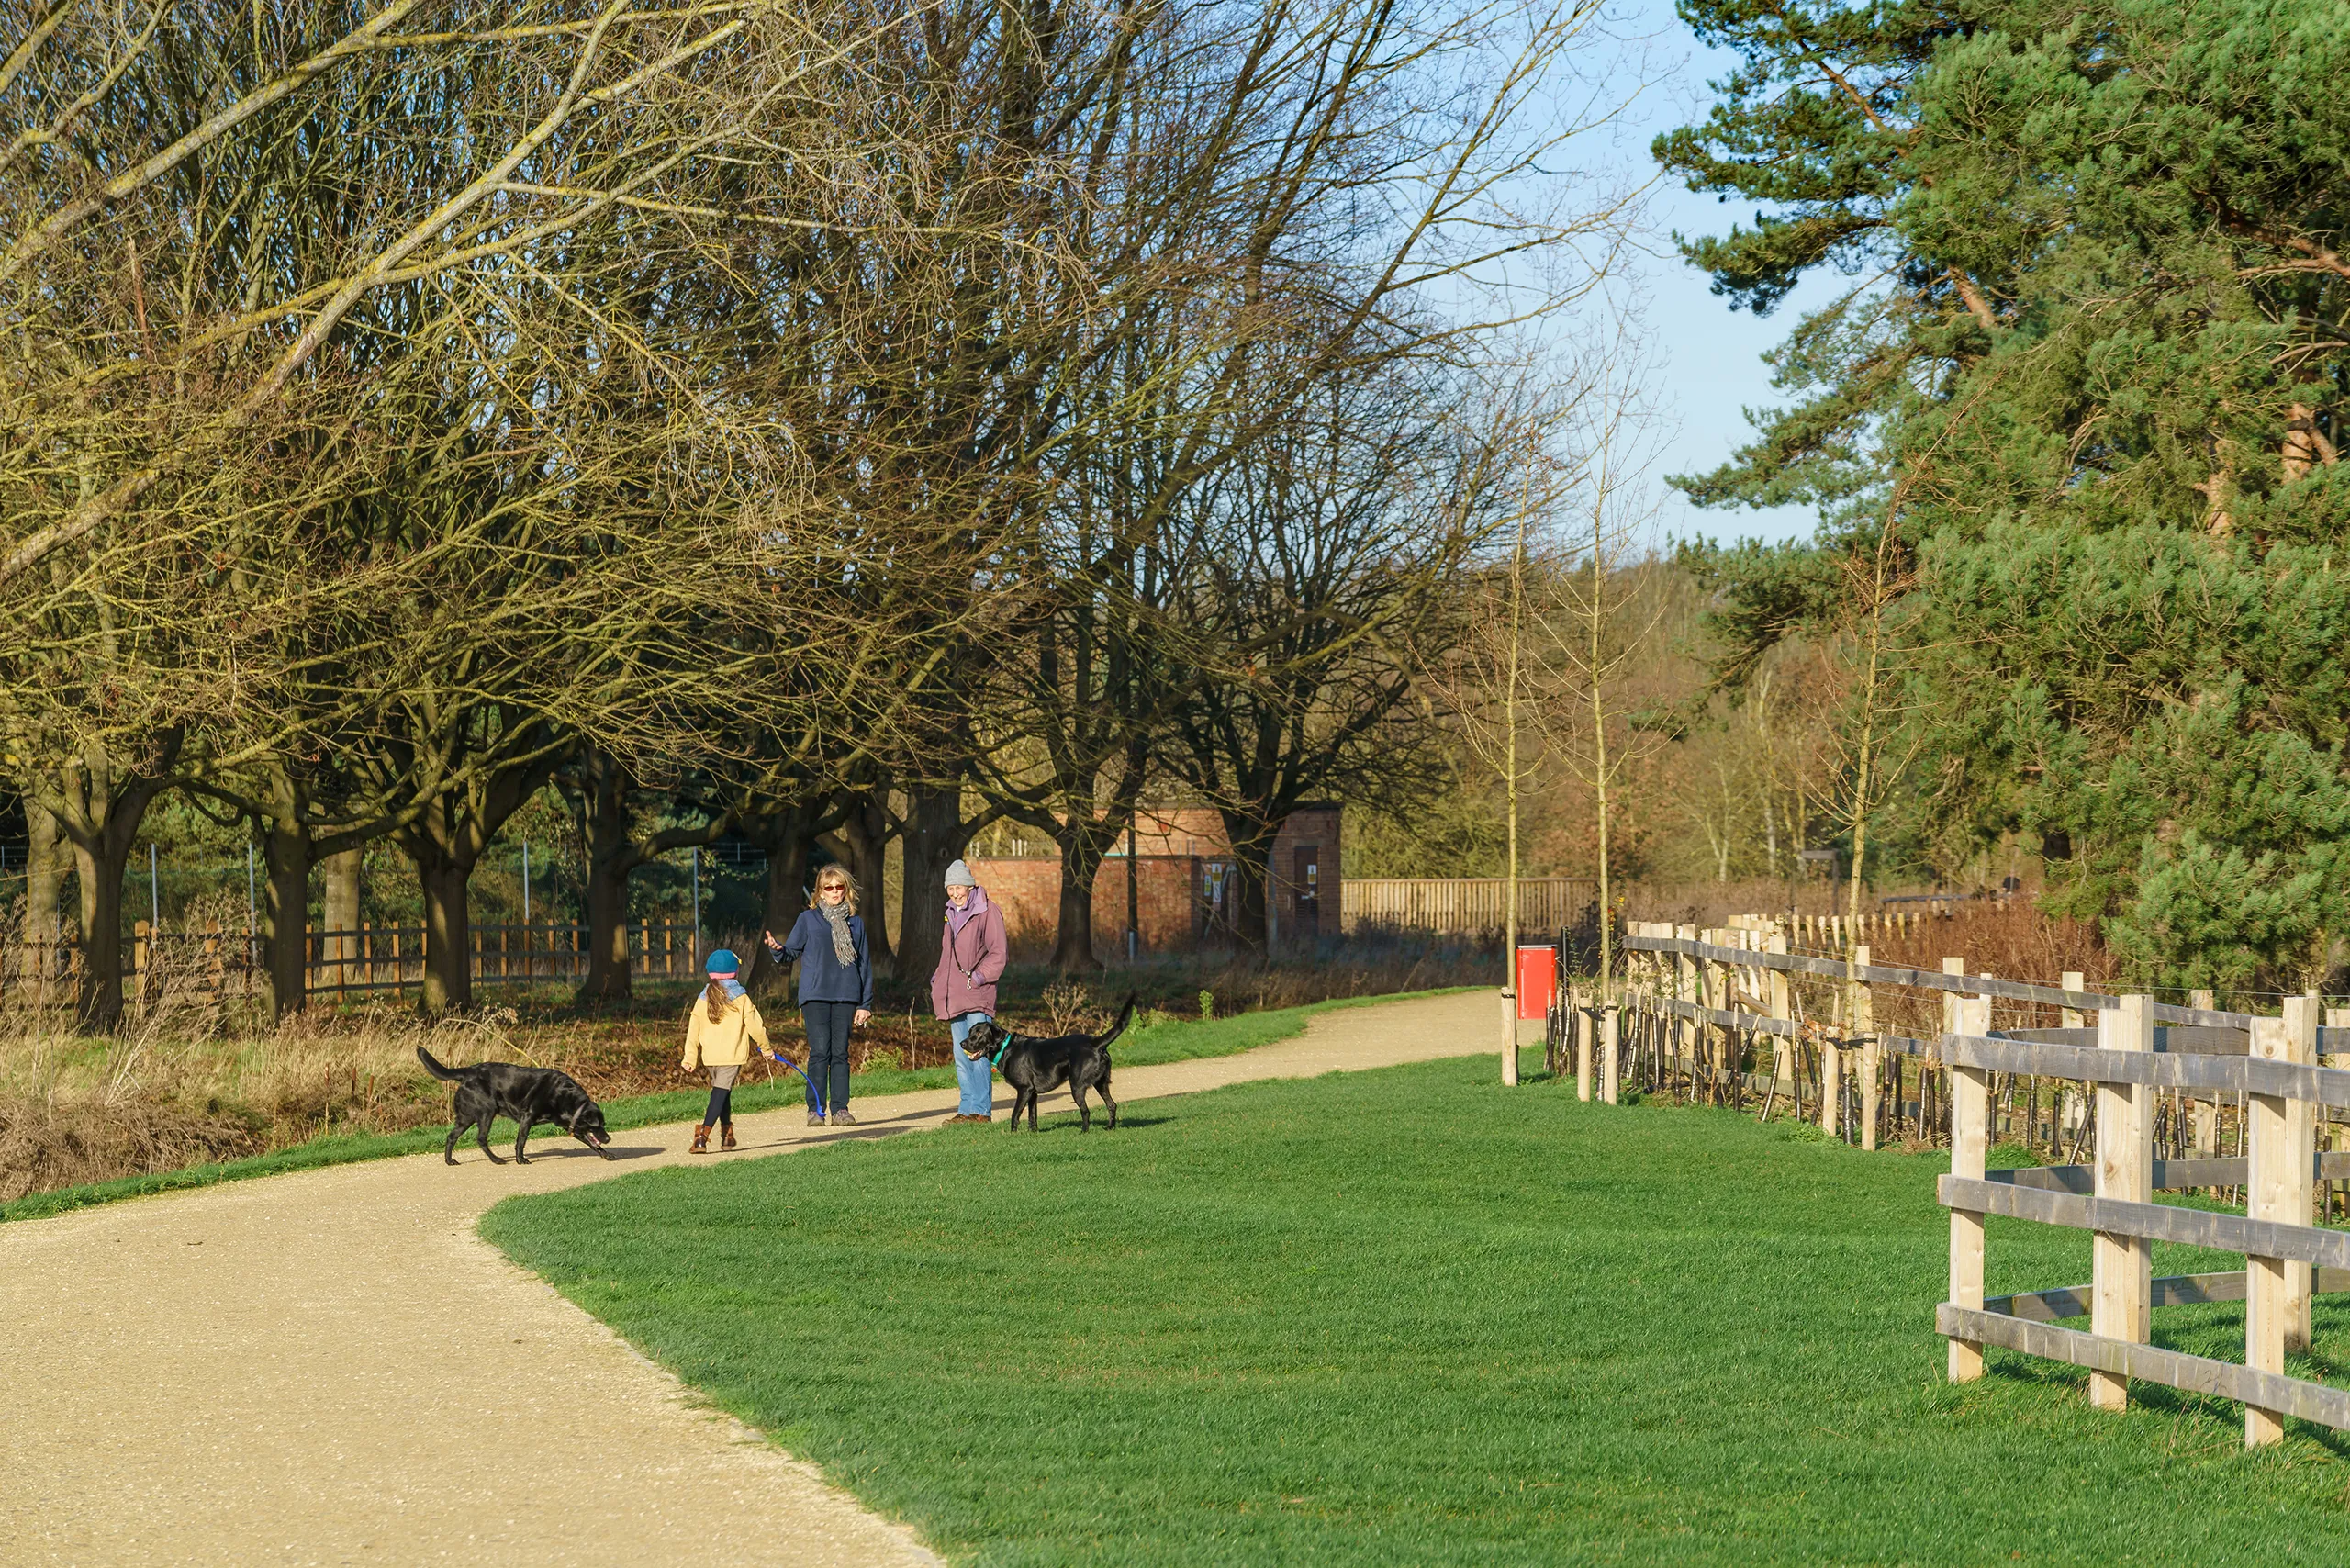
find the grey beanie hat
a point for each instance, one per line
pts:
(959, 876)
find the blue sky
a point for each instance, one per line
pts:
(1710, 354)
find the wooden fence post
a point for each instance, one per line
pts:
(2121, 1307)
(1970, 1109)
(1860, 1013)
(2301, 1173)
(1951, 966)
(2281, 1137)
(2203, 1115)
(1831, 1086)
(1509, 1030)
(1717, 975)
(2335, 1018)
(1683, 1034)
(1579, 1041)
(1783, 1047)
(1610, 1037)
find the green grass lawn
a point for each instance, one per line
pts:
(1181, 1040)
(1410, 1316)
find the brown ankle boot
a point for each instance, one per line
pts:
(726, 1136)
(701, 1140)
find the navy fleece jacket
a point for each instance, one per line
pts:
(823, 976)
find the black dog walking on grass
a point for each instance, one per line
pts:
(1032, 1065)
(529, 1095)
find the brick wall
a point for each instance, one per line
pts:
(1028, 888)
(1183, 853)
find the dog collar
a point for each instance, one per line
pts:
(997, 1059)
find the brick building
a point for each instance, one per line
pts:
(1182, 879)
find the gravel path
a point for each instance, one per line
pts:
(332, 1367)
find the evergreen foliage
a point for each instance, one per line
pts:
(2118, 477)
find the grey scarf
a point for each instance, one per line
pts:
(836, 916)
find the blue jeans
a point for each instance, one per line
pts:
(974, 1078)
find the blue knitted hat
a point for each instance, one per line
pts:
(722, 962)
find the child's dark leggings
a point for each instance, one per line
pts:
(721, 1097)
(828, 1048)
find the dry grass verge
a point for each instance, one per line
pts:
(193, 1083)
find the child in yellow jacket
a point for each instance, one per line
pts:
(719, 1034)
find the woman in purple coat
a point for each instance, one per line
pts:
(962, 991)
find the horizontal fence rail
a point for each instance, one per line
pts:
(1464, 905)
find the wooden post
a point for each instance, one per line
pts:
(1684, 988)
(1610, 1036)
(1862, 1012)
(2268, 1180)
(1831, 1086)
(2203, 1115)
(2335, 1018)
(1509, 1032)
(2301, 1171)
(142, 942)
(2071, 1018)
(1782, 1053)
(1717, 998)
(1970, 1107)
(2280, 1136)
(1951, 966)
(2121, 1307)
(1579, 1034)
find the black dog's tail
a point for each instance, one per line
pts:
(1126, 1016)
(435, 1069)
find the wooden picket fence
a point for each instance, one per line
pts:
(345, 963)
(1692, 1012)
(1468, 906)
(391, 958)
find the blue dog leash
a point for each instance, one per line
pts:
(775, 950)
(810, 1082)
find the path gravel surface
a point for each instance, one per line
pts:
(332, 1367)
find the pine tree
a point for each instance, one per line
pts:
(2118, 475)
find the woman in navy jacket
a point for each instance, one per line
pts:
(835, 988)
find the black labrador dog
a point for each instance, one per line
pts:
(1032, 1065)
(528, 1094)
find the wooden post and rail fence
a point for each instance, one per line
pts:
(368, 960)
(1699, 1014)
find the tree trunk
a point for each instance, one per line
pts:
(448, 929)
(99, 866)
(787, 836)
(286, 914)
(340, 877)
(1082, 850)
(47, 860)
(444, 845)
(864, 834)
(1251, 899)
(610, 977)
(935, 837)
(100, 817)
(612, 855)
